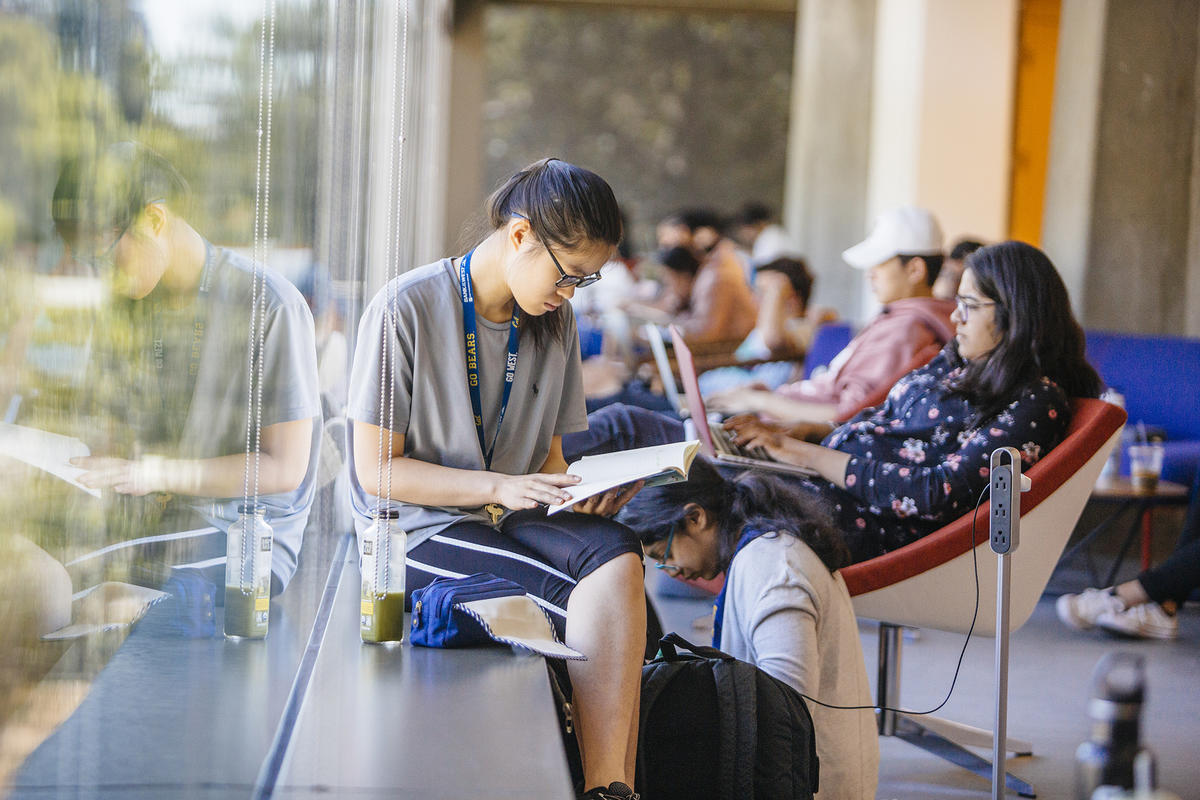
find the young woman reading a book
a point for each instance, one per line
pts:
(783, 608)
(467, 374)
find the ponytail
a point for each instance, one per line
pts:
(566, 206)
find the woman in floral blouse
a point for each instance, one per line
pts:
(901, 470)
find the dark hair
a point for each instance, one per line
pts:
(751, 500)
(964, 248)
(797, 272)
(108, 190)
(566, 206)
(933, 265)
(696, 218)
(625, 247)
(753, 214)
(680, 259)
(1038, 332)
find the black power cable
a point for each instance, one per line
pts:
(958, 666)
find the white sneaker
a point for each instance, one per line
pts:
(1081, 611)
(1146, 621)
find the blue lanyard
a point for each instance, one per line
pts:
(471, 339)
(748, 535)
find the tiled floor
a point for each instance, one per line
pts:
(1049, 684)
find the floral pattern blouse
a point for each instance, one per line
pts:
(916, 461)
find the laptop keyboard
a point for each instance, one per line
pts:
(723, 443)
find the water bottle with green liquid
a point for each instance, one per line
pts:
(382, 564)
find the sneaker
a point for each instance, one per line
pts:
(615, 791)
(1147, 621)
(1081, 611)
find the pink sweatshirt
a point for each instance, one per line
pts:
(872, 358)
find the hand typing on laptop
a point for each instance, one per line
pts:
(744, 425)
(828, 463)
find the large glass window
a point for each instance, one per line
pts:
(156, 156)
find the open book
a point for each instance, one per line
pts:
(45, 450)
(664, 463)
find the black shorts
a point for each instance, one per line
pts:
(546, 555)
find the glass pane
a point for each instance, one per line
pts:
(145, 144)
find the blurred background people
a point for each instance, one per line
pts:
(946, 285)
(783, 330)
(755, 229)
(1147, 606)
(902, 256)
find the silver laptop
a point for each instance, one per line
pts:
(654, 335)
(717, 442)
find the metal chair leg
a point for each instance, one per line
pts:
(893, 723)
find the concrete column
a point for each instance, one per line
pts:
(1126, 163)
(1070, 168)
(969, 82)
(825, 193)
(897, 102)
(942, 131)
(464, 167)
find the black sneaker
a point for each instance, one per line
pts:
(615, 791)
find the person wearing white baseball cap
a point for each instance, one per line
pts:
(907, 231)
(903, 254)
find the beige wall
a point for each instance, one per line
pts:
(941, 131)
(967, 114)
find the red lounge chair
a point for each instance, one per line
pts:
(931, 582)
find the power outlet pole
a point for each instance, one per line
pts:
(1006, 485)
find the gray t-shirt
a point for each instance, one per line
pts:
(213, 402)
(432, 407)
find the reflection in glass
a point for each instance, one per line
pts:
(178, 333)
(127, 200)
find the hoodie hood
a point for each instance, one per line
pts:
(933, 312)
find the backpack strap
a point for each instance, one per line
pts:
(737, 698)
(661, 674)
(667, 647)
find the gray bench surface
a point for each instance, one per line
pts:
(404, 721)
(308, 711)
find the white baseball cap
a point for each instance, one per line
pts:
(908, 231)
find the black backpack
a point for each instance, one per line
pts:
(715, 727)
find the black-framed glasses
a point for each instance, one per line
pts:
(661, 563)
(566, 279)
(965, 305)
(578, 281)
(99, 259)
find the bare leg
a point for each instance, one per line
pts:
(606, 619)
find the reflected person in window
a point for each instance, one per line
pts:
(171, 370)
